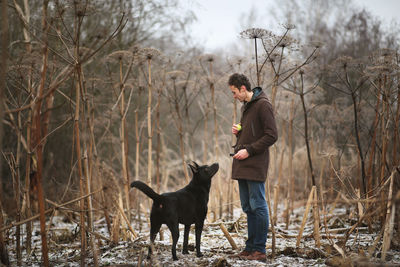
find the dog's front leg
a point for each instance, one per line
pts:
(199, 229)
(186, 239)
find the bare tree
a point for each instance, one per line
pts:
(301, 91)
(352, 88)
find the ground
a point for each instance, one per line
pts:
(64, 245)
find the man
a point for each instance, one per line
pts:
(256, 133)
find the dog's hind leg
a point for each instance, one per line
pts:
(174, 228)
(186, 239)
(154, 229)
(199, 229)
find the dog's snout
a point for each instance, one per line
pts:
(215, 167)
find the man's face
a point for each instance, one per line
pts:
(239, 94)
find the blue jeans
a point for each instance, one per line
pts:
(252, 198)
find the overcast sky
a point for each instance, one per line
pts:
(218, 20)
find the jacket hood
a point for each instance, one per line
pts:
(256, 92)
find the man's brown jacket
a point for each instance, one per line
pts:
(258, 133)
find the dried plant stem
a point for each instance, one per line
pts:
(385, 138)
(255, 50)
(271, 220)
(27, 38)
(57, 206)
(214, 108)
(126, 220)
(216, 150)
(90, 213)
(303, 223)
(359, 204)
(274, 90)
(368, 213)
(290, 159)
(179, 125)
(228, 236)
(3, 248)
(78, 90)
(149, 131)
(378, 238)
(275, 207)
(123, 136)
(316, 220)
(158, 128)
(301, 94)
(27, 197)
(233, 140)
(3, 72)
(396, 140)
(104, 205)
(373, 145)
(278, 184)
(18, 190)
(360, 152)
(137, 158)
(205, 140)
(389, 222)
(26, 205)
(38, 136)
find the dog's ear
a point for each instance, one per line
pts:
(193, 168)
(195, 164)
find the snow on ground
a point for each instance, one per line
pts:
(64, 245)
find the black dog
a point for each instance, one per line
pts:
(186, 206)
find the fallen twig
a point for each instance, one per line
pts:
(228, 236)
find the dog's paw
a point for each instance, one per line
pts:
(175, 258)
(200, 254)
(185, 251)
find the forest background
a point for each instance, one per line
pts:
(96, 94)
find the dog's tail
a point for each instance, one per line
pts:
(147, 190)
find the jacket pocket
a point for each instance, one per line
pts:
(252, 130)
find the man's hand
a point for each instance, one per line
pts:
(235, 129)
(241, 154)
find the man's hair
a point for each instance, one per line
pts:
(238, 80)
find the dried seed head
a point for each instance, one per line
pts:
(384, 57)
(288, 41)
(208, 57)
(121, 55)
(254, 33)
(316, 44)
(175, 74)
(84, 51)
(149, 53)
(184, 84)
(274, 57)
(344, 61)
(289, 26)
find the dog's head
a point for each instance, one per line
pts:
(203, 173)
